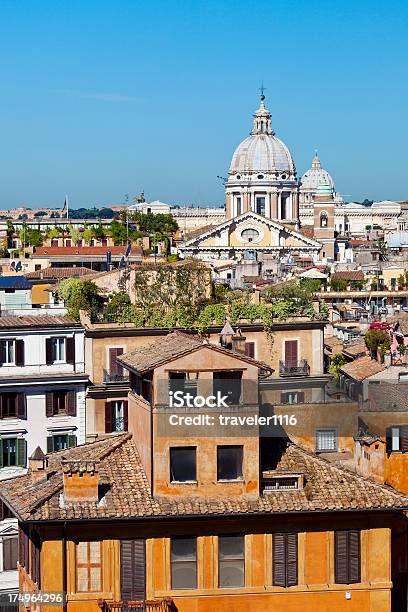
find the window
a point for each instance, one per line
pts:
(60, 442)
(229, 462)
(183, 464)
(260, 205)
(229, 384)
(250, 349)
(292, 397)
(397, 439)
(323, 219)
(11, 352)
(116, 416)
(10, 553)
(115, 369)
(284, 559)
(326, 440)
(8, 352)
(58, 349)
(239, 206)
(183, 560)
(13, 452)
(8, 405)
(187, 382)
(60, 402)
(89, 567)
(231, 561)
(347, 556)
(249, 235)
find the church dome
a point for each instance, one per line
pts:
(262, 152)
(315, 176)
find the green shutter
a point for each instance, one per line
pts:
(50, 444)
(21, 452)
(72, 441)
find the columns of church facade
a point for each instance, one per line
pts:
(274, 204)
(228, 206)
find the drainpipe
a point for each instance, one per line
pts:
(64, 567)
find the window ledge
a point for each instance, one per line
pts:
(232, 480)
(183, 482)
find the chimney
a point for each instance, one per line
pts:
(37, 465)
(226, 335)
(238, 342)
(81, 480)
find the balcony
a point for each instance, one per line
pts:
(115, 377)
(297, 368)
(146, 605)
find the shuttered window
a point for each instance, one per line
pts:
(285, 559)
(133, 569)
(291, 353)
(115, 368)
(89, 567)
(116, 416)
(183, 559)
(231, 561)
(60, 402)
(13, 452)
(347, 557)
(250, 349)
(10, 553)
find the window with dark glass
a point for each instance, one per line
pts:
(183, 464)
(231, 561)
(13, 452)
(183, 559)
(10, 553)
(260, 205)
(347, 557)
(285, 559)
(60, 402)
(60, 442)
(229, 462)
(8, 405)
(229, 385)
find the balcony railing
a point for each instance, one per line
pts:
(297, 368)
(109, 377)
(146, 605)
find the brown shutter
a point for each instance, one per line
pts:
(1, 405)
(19, 352)
(250, 349)
(278, 554)
(291, 559)
(291, 353)
(301, 397)
(340, 557)
(2, 511)
(2, 352)
(108, 417)
(48, 351)
(133, 570)
(125, 416)
(71, 403)
(70, 346)
(49, 403)
(21, 401)
(354, 557)
(404, 438)
(115, 369)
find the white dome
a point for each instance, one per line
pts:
(261, 153)
(315, 176)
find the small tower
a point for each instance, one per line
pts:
(323, 214)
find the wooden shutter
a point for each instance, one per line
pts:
(70, 346)
(10, 553)
(278, 558)
(291, 559)
(404, 438)
(133, 569)
(340, 557)
(291, 352)
(108, 417)
(301, 397)
(125, 416)
(19, 352)
(50, 444)
(2, 511)
(115, 369)
(2, 352)
(71, 403)
(354, 557)
(21, 452)
(21, 400)
(49, 403)
(1, 405)
(48, 351)
(72, 440)
(250, 349)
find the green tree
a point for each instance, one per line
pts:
(374, 338)
(118, 232)
(87, 235)
(336, 363)
(74, 233)
(338, 284)
(53, 233)
(79, 295)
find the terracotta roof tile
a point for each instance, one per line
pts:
(127, 493)
(362, 368)
(37, 321)
(348, 275)
(84, 250)
(71, 272)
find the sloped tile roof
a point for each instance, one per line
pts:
(362, 368)
(84, 250)
(328, 487)
(60, 272)
(37, 321)
(174, 345)
(348, 275)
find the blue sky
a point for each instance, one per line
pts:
(100, 99)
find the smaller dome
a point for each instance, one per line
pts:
(315, 176)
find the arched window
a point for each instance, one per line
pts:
(323, 219)
(249, 235)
